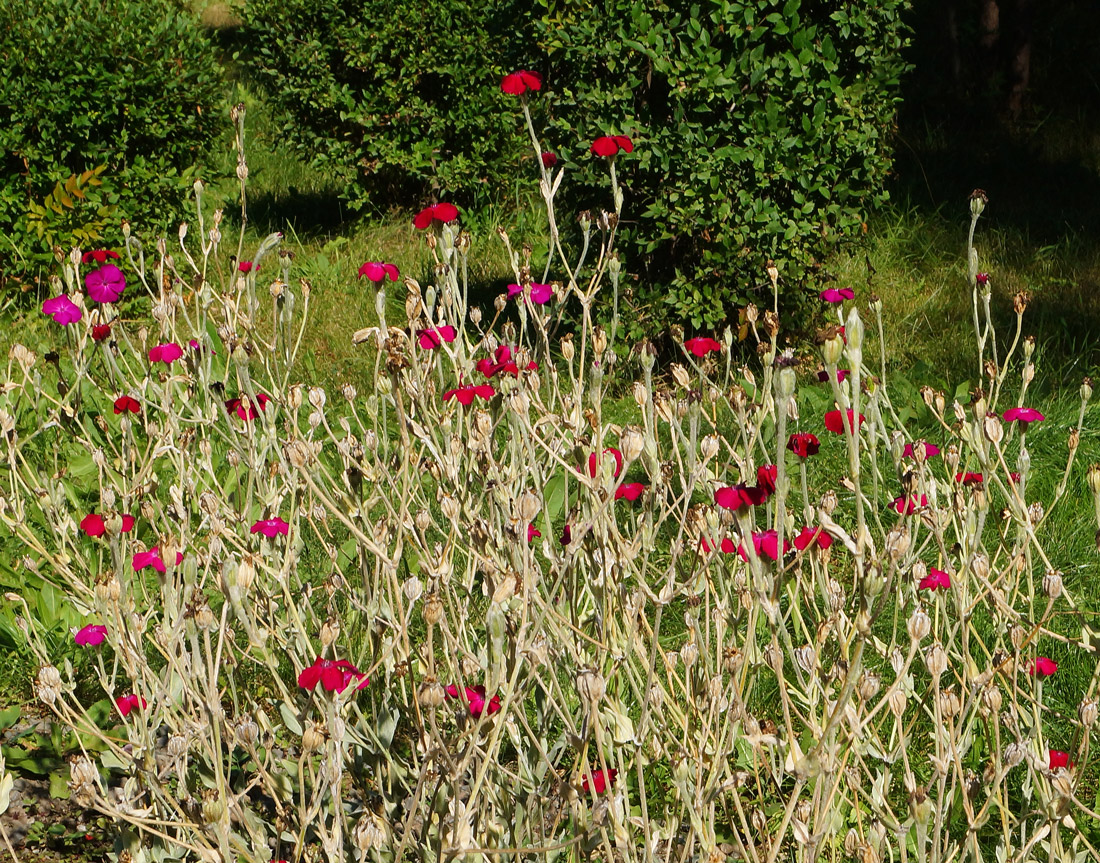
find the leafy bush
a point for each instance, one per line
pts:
(108, 104)
(763, 131)
(395, 97)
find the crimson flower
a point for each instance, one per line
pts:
(811, 536)
(519, 82)
(765, 544)
(1058, 758)
(908, 506)
(465, 394)
(167, 353)
(740, 495)
(766, 476)
(92, 524)
(144, 559)
(130, 702)
(701, 346)
(593, 461)
(432, 338)
(100, 332)
(63, 310)
(270, 527)
(475, 697)
(835, 424)
(837, 295)
(98, 256)
(566, 535)
(982, 279)
(549, 160)
(378, 272)
(599, 781)
(1042, 667)
(803, 444)
(629, 491)
(1024, 415)
(244, 408)
(969, 478)
(726, 546)
(930, 449)
(106, 284)
(333, 675)
(936, 579)
(127, 403)
(441, 213)
(91, 635)
(503, 363)
(539, 294)
(612, 145)
(533, 533)
(245, 267)
(841, 375)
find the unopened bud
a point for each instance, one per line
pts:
(1086, 389)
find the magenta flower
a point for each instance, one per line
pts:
(270, 527)
(835, 424)
(333, 675)
(936, 579)
(811, 536)
(436, 213)
(982, 279)
(1042, 667)
(127, 403)
(243, 407)
(539, 294)
(593, 462)
(167, 353)
(803, 444)
(63, 310)
(98, 256)
(465, 394)
(533, 533)
(92, 524)
(841, 375)
(629, 491)
(106, 284)
(701, 346)
(837, 295)
(130, 702)
(1023, 415)
(737, 496)
(475, 697)
(378, 272)
(503, 363)
(431, 339)
(91, 635)
(908, 506)
(519, 82)
(599, 781)
(930, 449)
(612, 145)
(766, 544)
(969, 478)
(144, 559)
(245, 267)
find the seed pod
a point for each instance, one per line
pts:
(935, 660)
(591, 686)
(48, 684)
(432, 610)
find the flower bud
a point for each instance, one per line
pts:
(1086, 389)
(978, 200)
(832, 350)
(853, 330)
(785, 383)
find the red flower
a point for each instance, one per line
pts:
(465, 394)
(599, 781)
(726, 546)
(969, 478)
(167, 353)
(503, 363)
(379, 272)
(835, 424)
(518, 83)
(441, 213)
(100, 332)
(837, 295)
(612, 145)
(1058, 759)
(982, 279)
(245, 267)
(92, 524)
(549, 160)
(737, 496)
(630, 491)
(766, 476)
(936, 579)
(1024, 415)
(126, 403)
(566, 535)
(811, 535)
(334, 676)
(99, 256)
(803, 444)
(130, 702)
(908, 506)
(431, 339)
(766, 544)
(841, 375)
(930, 449)
(1042, 667)
(243, 407)
(475, 697)
(593, 460)
(533, 533)
(701, 346)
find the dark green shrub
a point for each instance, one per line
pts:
(396, 96)
(762, 129)
(107, 105)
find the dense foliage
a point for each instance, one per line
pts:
(107, 106)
